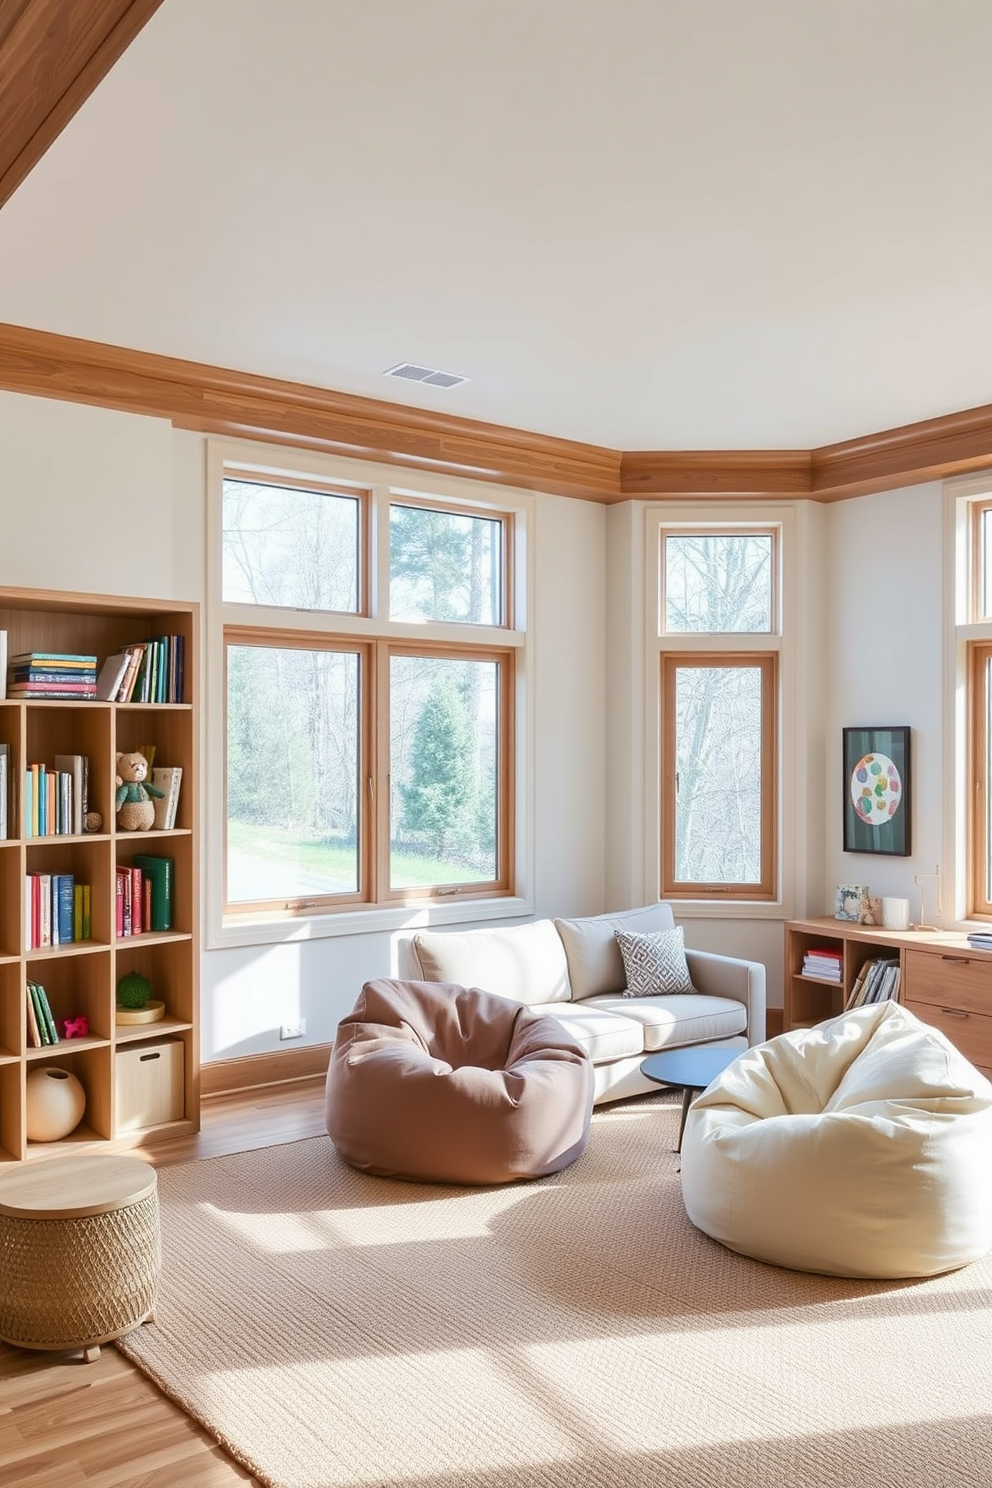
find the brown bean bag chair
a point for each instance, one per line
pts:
(449, 1084)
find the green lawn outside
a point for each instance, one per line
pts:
(323, 859)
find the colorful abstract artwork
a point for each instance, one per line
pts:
(876, 790)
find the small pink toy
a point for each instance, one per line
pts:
(76, 1027)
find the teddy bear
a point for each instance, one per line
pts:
(135, 807)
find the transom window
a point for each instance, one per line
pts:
(369, 747)
(718, 582)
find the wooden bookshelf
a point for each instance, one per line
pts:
(80, 977)
(943, 980)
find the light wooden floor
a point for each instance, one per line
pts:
(67, 1424)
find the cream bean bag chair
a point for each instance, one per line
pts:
(451, 1084)
(860, 1147)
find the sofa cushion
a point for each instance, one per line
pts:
(654, 964)
(671, 1022)
(595, 965)
(523, 962)
(605, 1035)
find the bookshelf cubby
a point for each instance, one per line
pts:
(80, 976)
(944, 980)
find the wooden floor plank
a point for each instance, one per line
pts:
(68, 1424)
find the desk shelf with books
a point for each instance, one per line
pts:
(59, 873)
(943, 979)
(856, 950)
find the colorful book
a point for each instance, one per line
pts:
(44, 909)
(126, 690)
(111, 675)
(60, 658)
(137, 901)
(119, 915)
(76, 766)
(168, 778)
(45, 1008)
(52, 690)
(160, 872)
(34, 1028)
(63, 894)
(39, 1016)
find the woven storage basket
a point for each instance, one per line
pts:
(77, 1281)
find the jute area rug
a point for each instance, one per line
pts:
(331, 1329)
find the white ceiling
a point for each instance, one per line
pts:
(645, 224)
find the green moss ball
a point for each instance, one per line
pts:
(133, 990)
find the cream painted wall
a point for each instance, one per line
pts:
(86, 496)
(870, 620)
(884, 556)
(106, 502)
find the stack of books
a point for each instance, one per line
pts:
(55, 800)
(150, 671)
(980, 939)
(56, 909)
(41, 1023)
(51, 674)
(823, 961)
(877, 981)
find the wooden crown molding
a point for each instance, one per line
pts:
(53, 53)
(653, 473)
(215, 400)
(932, 449)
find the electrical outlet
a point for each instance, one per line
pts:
(293, 1030)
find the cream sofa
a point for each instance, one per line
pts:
(573, 969)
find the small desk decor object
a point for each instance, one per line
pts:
(850, 902)
(877, 796)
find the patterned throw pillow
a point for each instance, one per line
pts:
(655, 963)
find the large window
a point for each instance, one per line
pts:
(974, 639)
(369, 686)
(719, 632)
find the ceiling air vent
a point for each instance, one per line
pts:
(411, 372)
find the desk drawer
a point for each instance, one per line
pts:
(949, 979)
(971, 1033)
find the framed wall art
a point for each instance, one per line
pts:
(877, 794)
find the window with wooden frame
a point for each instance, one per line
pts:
(974, 613)
(719, 775)
(720, 637)
(980, 774)
(980, 568)
(369, 746)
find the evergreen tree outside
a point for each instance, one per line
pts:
(443, 566)
(440, 799)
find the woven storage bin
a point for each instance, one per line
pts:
(71, 1278)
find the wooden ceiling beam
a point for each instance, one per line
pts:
(53, 53)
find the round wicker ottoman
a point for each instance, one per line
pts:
(79, 1251)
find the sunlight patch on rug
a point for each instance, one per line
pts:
(332, 1329)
